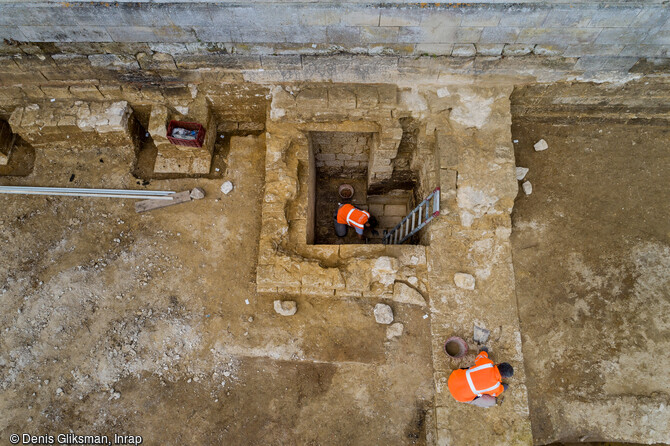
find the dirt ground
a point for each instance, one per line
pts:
(591, 249)
(121, 323)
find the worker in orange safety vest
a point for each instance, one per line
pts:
(348, 215)
(480, 384)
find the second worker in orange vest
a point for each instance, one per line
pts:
(348, 215)
(480, 384)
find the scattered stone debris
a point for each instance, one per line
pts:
(481, 335)
(286, 307)
(59, 392)
(394, 330)
(197, 193)
(227, 187)
(527, 187)
(521, 173)
(383, 314)
(541, 145)
(465, 281)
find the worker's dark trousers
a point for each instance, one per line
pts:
(340, 229)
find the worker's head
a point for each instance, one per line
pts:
(506, 370)
(372, 222)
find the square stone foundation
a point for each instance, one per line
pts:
(172, 158)
(289, 262)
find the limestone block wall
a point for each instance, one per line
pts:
(287, 264)
(272, 35)
(341, 154)
(63, 123)
(602, 34)
(373, 104)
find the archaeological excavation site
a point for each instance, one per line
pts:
(273, 222)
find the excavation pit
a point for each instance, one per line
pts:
(340, 167)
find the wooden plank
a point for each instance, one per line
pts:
(150, 205)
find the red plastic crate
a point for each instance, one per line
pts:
(197, 142)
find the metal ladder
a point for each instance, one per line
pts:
(410, 225)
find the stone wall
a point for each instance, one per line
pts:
(606, 33)
(341, 154)
(63, 124)
(124, 37)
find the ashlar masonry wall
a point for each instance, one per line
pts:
(599, 36)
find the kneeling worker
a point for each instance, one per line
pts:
(347, 215)
(481, 384)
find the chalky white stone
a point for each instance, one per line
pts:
(541, 145)
(286, 307)
(521, 173)
(197, 193)
(394, 330)
(465, 281)
(227, 187)
(527, 187)
(383, 314)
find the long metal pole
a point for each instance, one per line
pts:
(77, 194)
(86, 191)
(64, 194)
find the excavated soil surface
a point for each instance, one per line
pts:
(591, 249)
(149, 324)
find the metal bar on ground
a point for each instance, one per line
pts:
(67, 194)
(86, 190)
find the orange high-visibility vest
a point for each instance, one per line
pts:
(481, 379)
(349, 215)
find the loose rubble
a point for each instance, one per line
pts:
(541, 145)
(197, 193)
(227, 187)
(286, 307)
(521, 173)
(383, 314)
(465, 281)
(394, 330)
(480, 335)
(527, 187)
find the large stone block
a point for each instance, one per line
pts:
(524, 16)
(481, 17)
(603, 63)
(399, 17)
(89, 92)
(615, 16)
(281, 62)
(617, 36)
(568, 17)
(12, 33)
(223, 61)
(362, 15)
(56, 33)
(156, 61)
(158, 121)
(499, 34)
(553, 36)
(341, 98)
(114, 62)
(345, 36)
(187, 160)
